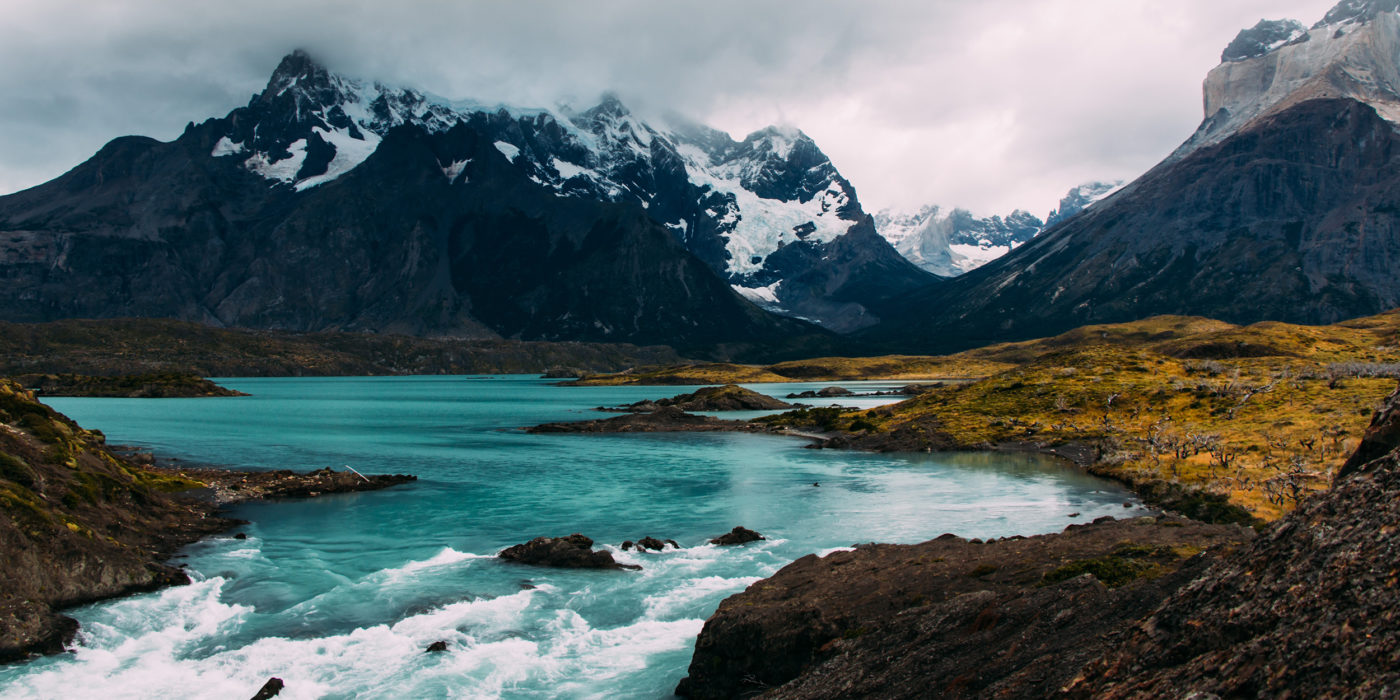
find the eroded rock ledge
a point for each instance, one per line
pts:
(906, 620)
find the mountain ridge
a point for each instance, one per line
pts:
(1288, 215)
(329, 203)
(732, 203)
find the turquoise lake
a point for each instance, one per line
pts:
(339, 596)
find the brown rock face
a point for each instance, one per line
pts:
(1382, 437)
(739, 535)
(572, 552)
(80, 522)
(949, 617)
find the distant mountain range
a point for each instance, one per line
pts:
(950, 242)
(331, 203)
(1284, 205)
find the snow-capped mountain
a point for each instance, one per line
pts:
(1284, 205)
(1353, 53)
(1080, 198)
(763, 212)
(329, 203)
(952, 242)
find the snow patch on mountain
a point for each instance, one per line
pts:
(1263, 38)
(226, 147)
(1082, 197)
(349, 153)
(283, 170)
(509, 150)
(766, 296)
(454, 170)
(759, 226)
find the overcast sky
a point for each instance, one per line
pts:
(986, 104)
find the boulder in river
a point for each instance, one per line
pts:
(437, 647)
(649, 543)
(739, 535)
(270, 689)
(572, 552)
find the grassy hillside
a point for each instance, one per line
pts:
(1261, 415)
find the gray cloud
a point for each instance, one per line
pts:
(990, 105)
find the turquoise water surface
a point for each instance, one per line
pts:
(338, 596)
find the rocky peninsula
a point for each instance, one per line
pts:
(81, 522)
(165, 385)
(730, 397)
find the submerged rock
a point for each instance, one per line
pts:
(572, 552)
(739, 535)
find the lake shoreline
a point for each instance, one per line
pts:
(489, 483)
(189, 516)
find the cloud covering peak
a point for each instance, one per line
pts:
(990, 105)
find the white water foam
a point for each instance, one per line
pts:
(693, 591)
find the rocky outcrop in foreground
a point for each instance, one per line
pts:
(1117, 609)
(730, 397)
(79, 522)
(572, 552)
(919, 620)
(1308, 610)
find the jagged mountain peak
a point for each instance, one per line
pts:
(760, 212)
(952, 241)
(1262, 38)
(1275, 65)
(294, 67)
(1357, 11)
